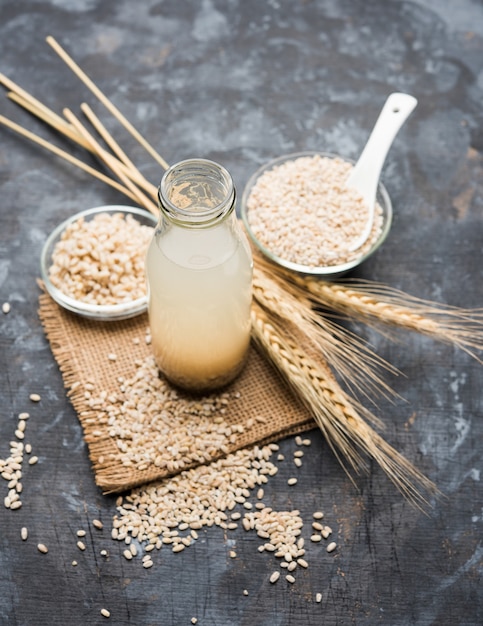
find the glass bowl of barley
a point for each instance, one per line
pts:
(93, 263)
(299, 213)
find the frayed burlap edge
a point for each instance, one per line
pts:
(81, 348)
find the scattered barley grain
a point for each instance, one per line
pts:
(274, 577)
(326, 532)
(183, 431)
(332, 546)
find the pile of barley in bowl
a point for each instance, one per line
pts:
(101, 261)
(303, 212)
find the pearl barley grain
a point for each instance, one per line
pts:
(205, 496)
(332, 546)
(303, 212)
(274, 577)
(101, 261)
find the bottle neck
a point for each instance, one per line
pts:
(196, 194)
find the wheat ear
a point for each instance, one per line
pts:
(348, 435)
(345, 353)
(371, 302)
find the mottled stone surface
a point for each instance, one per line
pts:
(242, 82)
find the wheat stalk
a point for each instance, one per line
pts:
(339, 419)
(345, 353)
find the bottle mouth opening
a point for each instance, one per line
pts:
(196, 192)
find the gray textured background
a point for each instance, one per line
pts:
(242, 82)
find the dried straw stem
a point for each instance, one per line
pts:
(122, 166)
(34, 106)
(24, 99)
(66, 156)
(129, 168)
(49, 117)
(69, 61)
(345, 353)
(339, 419)
(111, 162)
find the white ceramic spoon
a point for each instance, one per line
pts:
(366, 172)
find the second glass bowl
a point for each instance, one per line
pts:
(328, 271)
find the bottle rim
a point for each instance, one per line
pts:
(196, 216)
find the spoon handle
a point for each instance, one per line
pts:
(366, 172)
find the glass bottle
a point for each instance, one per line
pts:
(199, 272)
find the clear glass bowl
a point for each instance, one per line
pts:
(330, 271)
(93, 311)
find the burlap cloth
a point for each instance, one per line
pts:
(82, 347)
